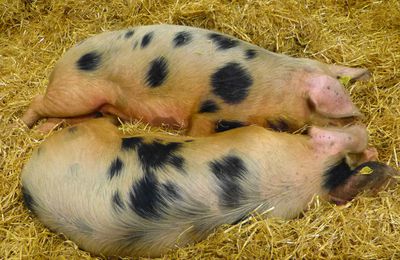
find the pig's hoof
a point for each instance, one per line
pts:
(369, 177)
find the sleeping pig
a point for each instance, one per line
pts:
(195, 79)
(142, 195)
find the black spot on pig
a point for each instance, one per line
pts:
(224, 125)
(177, 162)
(145, 198)
(189, 141)
(89, 61)
(229, 171)
(223, 42)
(231, 83)
(337, 175)
(157, 155)
(117, 202)
(250, 54)
(28, 200)
(115, 168)
(208, 106)
(129, 34)
(182, 38)
(146, 39)
(157, 72)
(279, 125)
(171, 191)
(149, 198)
(130, 143)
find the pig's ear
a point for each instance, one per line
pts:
(354, 73)
(327, 97)
(370, 176)
(352, 139)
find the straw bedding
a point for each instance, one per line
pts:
(34, 34)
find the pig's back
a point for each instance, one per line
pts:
(170, 60)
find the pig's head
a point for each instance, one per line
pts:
(353, 167)
(326, 97)
(370, 177)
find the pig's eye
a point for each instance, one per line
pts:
(310, 104)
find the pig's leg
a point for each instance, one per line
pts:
(61, 103)
(53, 122)
(62, 107)
(50, 124)
(31, 116)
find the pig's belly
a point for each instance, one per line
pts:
(170, 114)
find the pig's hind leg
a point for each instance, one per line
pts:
(53, 122)
(59, 105)
(31, 116)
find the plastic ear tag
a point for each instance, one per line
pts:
(345, 80)
(366, 170)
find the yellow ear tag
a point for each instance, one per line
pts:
(366, 170)
(345, 80)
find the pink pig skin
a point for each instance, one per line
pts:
(142, 195)
(192, 78)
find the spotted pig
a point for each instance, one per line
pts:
(142, 195)
(192, 78)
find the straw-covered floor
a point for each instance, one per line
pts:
(34, 34)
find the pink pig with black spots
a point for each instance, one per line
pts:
(142, 195)
(192, 78)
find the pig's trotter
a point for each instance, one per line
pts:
(31, 115)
